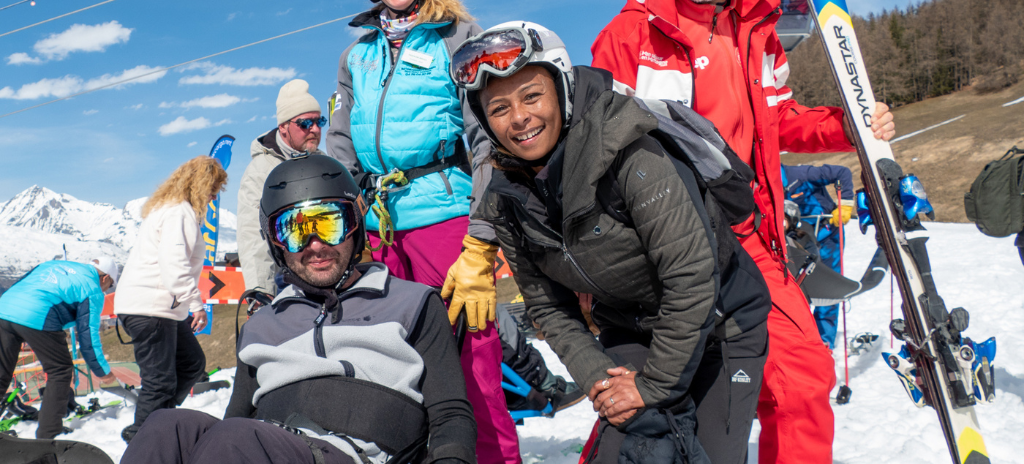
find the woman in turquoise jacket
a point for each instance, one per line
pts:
(402, 127)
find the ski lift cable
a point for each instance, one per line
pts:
(53, 18)
(114, 84)
(14, 4)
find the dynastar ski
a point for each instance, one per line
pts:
(932, 334)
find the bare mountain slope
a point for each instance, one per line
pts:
(949, 157)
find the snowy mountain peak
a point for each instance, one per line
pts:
(37, 222)
(42, 209)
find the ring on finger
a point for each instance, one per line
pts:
(611, 400)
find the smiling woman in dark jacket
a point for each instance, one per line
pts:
(557, 130)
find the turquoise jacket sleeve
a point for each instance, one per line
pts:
(87, 324)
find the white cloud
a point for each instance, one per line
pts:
(82, 38)
(67, 85)
(252, 119)
(108, 160)
(59, 87)
(90, 112)
(181, 125)
(232, 16)
(282, 13)
(227, 75)
(22, 58)
(136, 107)
(140, 70)
(356, 32)
(192, 144)
(213, 101)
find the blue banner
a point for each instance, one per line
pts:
(221, 151)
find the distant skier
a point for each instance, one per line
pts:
(54, 296)
(724, 60)
(346, 365)
(808, 186)
(299, 125)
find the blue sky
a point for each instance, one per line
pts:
(118, 144)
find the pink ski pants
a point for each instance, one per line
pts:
(424, 255)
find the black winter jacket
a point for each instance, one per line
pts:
(655, 279)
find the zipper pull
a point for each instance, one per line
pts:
(323, 314)
(714, 22)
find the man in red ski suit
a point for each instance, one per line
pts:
(723, 59)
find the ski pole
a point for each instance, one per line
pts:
(844, 392)
(892, 305)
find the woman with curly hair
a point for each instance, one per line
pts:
(160, 287)
(399, 124)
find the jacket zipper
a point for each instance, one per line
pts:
(750, 35)
(572, 259)
(714, 23)
(318, 332)
(386, 84)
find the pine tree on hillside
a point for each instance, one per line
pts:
(927, 50)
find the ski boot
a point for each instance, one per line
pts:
(861, 343)
(982, 372)
(23, 410)
(563, 395)
(907, 373)
(914, 199)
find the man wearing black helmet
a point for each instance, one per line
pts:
(347, 365)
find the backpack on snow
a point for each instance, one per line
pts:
(996, 200)
(723, 180)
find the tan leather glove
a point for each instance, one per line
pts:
(470, 284)
(842, 213)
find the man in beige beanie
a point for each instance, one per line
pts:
(299, 124)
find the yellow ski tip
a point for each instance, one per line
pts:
(831, 10)
(971, 447)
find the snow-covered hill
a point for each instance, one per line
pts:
(37, 223)
(42, 209)
(879, 425)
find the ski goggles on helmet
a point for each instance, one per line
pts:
(330, 220)
(500, 53)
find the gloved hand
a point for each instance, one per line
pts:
(470, 284)
(842, 213)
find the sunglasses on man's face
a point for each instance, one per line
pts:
(307, 123)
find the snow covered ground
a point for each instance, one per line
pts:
(879, 425)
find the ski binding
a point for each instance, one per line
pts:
(982, 372)
(907, 373)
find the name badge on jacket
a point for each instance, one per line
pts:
(418, 59)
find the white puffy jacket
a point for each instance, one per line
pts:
(161, 277)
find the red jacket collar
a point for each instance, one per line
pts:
(667, 9)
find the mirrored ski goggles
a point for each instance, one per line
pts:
(305, 124)
(500, 52)
(330, 220)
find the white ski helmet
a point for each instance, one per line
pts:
(537, 45)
